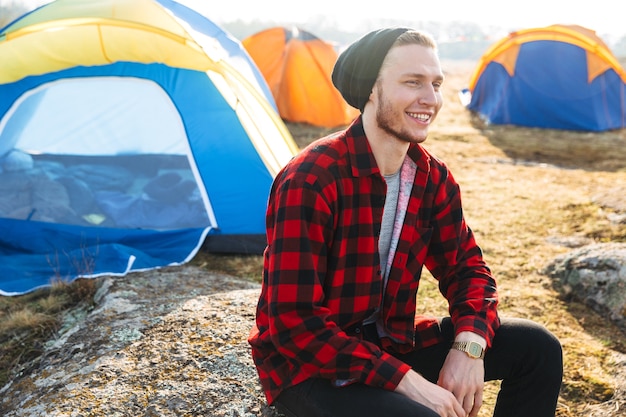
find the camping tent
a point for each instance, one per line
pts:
(559, 77)
(132, 132)
(297, 66)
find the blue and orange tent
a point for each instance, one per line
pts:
(559, 77)
(132, 133)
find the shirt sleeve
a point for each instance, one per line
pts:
(456, 261)
(300, 223)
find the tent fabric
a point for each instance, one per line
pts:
(297, 66)
(558, 77)
(132, 133)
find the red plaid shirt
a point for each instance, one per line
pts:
(322, 275)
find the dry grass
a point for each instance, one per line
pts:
(524, 191)
(28, 321)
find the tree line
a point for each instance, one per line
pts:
(457, 40)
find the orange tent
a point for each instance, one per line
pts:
(297, 67)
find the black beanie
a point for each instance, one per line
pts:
(357, 67)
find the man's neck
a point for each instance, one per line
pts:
(388, 151)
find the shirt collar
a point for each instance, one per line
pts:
(362, 159)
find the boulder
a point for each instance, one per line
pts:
(595, 275)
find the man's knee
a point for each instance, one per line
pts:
(541, 344)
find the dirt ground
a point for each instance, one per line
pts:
(531, 194)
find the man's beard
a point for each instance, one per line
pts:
(385, 121)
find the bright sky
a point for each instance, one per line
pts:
(603, 16)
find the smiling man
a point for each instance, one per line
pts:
(351, 222)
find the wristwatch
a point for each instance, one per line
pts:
(473, 349)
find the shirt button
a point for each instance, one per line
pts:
(357, 330)
(379, 272)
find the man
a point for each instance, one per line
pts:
(351, 221)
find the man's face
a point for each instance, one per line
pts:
(407, 95)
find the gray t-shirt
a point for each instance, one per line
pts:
(386, 230)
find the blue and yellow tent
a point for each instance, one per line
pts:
(559, 77)
(132, 132)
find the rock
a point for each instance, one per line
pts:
(158, 343)
(595, 275)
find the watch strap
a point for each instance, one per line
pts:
(473, 349)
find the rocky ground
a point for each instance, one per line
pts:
(170, 342)
(161, 343)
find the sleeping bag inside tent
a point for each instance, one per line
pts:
(132, 133)
(559, 77)
(297, 66)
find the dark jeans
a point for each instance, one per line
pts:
(524, 356)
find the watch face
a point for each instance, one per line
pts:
(475, 350)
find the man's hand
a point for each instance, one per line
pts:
(464, 376)
(419, 389)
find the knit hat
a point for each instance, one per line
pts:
(357, 67)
